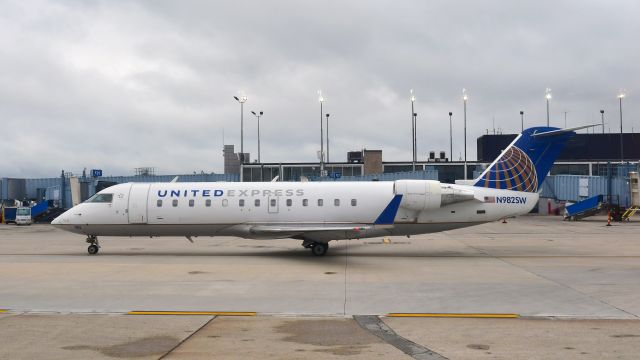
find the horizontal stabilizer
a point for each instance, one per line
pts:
(562, 131)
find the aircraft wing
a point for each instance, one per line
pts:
(291, 230)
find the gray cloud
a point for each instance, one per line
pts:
(117, 85)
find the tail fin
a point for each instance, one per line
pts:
(526, 161)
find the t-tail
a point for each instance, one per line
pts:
(526, 162)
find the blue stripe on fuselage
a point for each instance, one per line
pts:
(389, 213)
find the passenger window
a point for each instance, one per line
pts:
(257, 203)
(174, 203)
(241, 202)
(320, 202)
(272, 203)
(225, 202)
(354, 202)
(192, 202)
(289, 202)
(336, 202)
(207, 203)
(305, 202)
(159, 202)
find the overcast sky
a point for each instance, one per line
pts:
(116, 85)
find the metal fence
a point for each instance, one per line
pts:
(412, 175)
(575, 188)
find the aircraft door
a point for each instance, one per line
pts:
(274, 203)
(138, 199)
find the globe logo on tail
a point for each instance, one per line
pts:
(514, 170)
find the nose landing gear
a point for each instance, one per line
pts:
(95, 246)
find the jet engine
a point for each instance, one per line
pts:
(420, 195)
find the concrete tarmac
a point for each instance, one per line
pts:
(541, 268)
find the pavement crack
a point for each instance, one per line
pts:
(570, 288)
(504, 260)
(346, 262)
(377, 327)
(187, 338)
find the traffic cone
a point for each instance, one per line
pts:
(609, 219)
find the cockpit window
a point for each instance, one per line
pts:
(101, 198)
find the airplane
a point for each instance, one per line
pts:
(318, 212)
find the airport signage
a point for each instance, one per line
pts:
(96, 173)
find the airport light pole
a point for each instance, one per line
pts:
(258, 116)
(415, 139)
(327, 115)
(412, 98)
(242, 99)
(450, 137)
(547, 95)
(521, 121)
(465, 97)
(602, 118)
(565, 119)
(321, 100)
(621, 95)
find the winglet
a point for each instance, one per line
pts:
(388, 215)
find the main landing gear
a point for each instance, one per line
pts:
(94, 247)
(317, 248)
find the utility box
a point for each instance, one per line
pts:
(634, 188)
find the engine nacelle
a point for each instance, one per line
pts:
(420, 195)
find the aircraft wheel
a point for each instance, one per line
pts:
(319, 249)
(93, 249)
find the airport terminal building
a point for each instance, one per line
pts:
(590, 164)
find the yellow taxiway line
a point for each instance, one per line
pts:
(209, 313)
(490, 316)
(3, 311)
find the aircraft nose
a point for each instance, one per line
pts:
(61, 220)
(57, 220)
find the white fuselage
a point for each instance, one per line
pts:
(319, 211)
